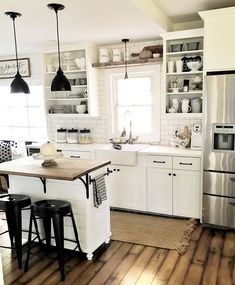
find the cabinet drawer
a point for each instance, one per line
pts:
(160, 161)
(78, 154)
(187, 163)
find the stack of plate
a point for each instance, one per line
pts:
(58, 109)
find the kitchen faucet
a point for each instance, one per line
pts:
(131, 140)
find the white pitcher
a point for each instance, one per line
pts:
(175, 104)
(185, 106)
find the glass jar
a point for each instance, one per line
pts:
(85, 136)
(72, 136)
(61, 135)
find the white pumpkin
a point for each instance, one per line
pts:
(48, 149)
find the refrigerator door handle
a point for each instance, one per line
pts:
(232, 179)
(231, 201)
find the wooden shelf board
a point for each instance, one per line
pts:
(129, 62)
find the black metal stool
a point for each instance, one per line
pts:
(54, 210)
(12, 204)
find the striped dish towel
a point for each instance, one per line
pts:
(99, 190)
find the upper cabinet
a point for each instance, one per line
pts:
(82, 99)
(183, 72)
(219, 42)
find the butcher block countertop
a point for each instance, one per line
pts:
(66, 168)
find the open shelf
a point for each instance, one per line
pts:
(69, 71)
(181, 115)
(185, 93)
(185, 73)
(67, 99)
(185, 53)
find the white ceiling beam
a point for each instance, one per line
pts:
(149, 8)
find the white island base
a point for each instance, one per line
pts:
(93, 224)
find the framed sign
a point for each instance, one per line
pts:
(8, 68)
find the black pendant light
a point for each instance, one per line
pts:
(125, 57)
(60, 82)
(18, 84)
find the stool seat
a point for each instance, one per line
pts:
(12, 205)
(51, 207)
(13, 200)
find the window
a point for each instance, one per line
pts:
(136, 103)
(22, 116)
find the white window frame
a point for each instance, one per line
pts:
(151, 71)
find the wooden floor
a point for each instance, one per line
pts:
(210, 259)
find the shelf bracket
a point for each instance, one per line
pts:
(43, 180)
(86, 184)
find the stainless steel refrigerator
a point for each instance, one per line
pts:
(219, 150)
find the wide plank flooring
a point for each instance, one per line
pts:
(209, 260)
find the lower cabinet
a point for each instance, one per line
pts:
(174, 191)
(186, 193)
(127, 187)
(159, 190)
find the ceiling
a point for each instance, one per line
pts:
(96, 21)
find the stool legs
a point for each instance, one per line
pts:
(13, 215)
(58, 223)
(47, 230)
(75, 231)
(31, 221)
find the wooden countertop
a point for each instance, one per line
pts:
(66, 168)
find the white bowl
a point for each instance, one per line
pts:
(194, 65)
(81, 109)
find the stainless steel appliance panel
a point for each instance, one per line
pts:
(219, 109)
(219, 211)
(216, 183)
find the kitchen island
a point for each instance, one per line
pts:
(69, 180)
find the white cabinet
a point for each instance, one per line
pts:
(127, 187)
(219, 39)
(175, 190)
(186, 193)
(159, 190)
(182, 46)
(76, 64)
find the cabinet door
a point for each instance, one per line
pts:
(186, 193)
(132, 187)
(111, 182)
(159, 191)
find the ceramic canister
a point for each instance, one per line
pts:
(104, 55)
(116, 54)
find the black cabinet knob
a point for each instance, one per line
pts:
(114, 169)
(169, 174)
(118, 169)
(174, 174)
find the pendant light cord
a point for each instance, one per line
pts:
(125, 57)
(17, 60)
(126, 76)
(58, 37)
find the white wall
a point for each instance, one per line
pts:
(100, 126)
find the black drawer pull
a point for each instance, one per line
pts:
(159, 161)
(185, 163)
(75, 156)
